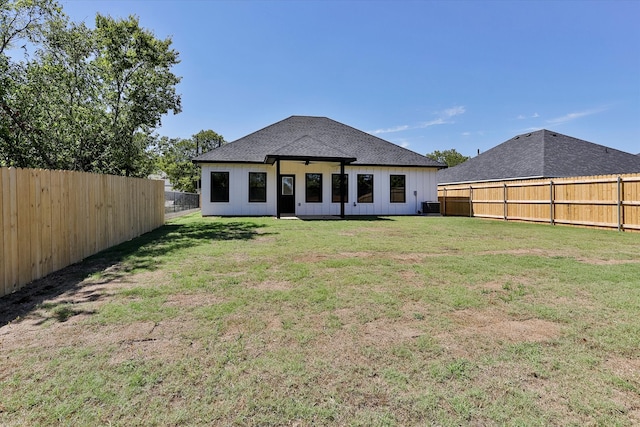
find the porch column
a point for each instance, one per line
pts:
(342, 189)
(278, 189)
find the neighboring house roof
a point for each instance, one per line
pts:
(315, 138)
(542, 154)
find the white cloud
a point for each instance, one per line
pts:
(477, 132)
(444, 117)
(520, 117)
(573, 116)
(450, 112)
(390, 130)
(535, 115)
(438, 121)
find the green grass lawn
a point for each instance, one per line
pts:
(364, 322)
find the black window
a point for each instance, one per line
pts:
(397, 189)
(257, 186)
(219, 186)
(365, 188)
(314, 188)
(335, 188)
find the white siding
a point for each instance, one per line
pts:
(422, 181)
(238, 204)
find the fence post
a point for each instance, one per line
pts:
(470, 201)
(444, 202)
(551, 212)
(620, 213)
(504, 196)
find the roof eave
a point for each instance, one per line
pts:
(403, 165)
(226, 161)
(272, 158)
(520, 178)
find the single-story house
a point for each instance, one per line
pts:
(541, 154)
(314, 166)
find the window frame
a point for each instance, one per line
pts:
(391, 188)
(263, 199)
(335, 188)
(360, 187)
(225, 190)
(306, 187)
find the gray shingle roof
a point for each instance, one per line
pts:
(315, 137)
(542, 154)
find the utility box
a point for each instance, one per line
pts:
(431, 208)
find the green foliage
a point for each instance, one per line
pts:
(449, 157)
(86, 99)
(175, 154)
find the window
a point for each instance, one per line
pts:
(314, 188)
(397, 189)
(220, 186)
(257, 186)
(365, 188)
(335, 188)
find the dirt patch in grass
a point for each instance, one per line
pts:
(274, 285)
(386, 332)
(595, 261)
(562, 254)
(409, 258)
(167, 340)
(311, 258)
(357, 254)
(627, 369)
(627, 375)
(495, 324)
(475, 330)
(537, 252)
(52, 312)
(193, 300)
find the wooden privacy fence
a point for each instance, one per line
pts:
(51, 219)
(608, 201)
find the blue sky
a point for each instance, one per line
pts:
(427, 75)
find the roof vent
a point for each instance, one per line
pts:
(528, 134)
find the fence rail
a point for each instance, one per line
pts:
(611, 201)
(51, 219)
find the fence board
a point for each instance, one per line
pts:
(10, 215)
(582, 201)
(45, 225)
(56, 230)
(51, 219)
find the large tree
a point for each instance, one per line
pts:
(175, 154)
(449, 157)
(22, 23)
(139, 87)
(89, 99)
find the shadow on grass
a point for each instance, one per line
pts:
(346, 218)
(144, 253)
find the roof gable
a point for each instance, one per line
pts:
(307, 147)
(315, 137)
(542, 154)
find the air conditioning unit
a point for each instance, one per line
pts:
(431, 208)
